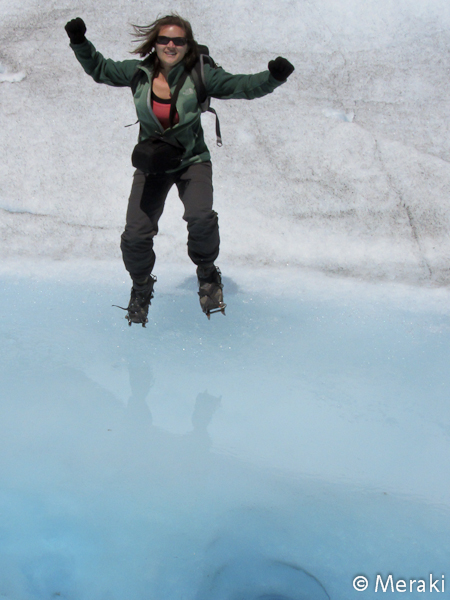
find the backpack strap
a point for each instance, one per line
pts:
(198, 77)
(173, 103)
(218, 134)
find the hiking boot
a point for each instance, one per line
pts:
(210, 289)
(141, 294)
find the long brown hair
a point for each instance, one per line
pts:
(147, 34)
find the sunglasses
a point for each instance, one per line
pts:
(163, 40)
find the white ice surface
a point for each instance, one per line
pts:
(301, 440)
(344, 169)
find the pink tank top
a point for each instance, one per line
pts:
(161, 108)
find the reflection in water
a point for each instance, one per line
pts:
(138, 413)
(100, 500)
(141, 381)
(205, 407)
(236, 569)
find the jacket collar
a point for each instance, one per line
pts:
(175, 73)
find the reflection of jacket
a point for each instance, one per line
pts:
(219, 84)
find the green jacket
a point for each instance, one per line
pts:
(188, 131)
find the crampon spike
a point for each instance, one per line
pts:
(216, 310)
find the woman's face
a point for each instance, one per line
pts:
(169, 54)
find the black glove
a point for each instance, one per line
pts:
(280, 68)
(75, 30)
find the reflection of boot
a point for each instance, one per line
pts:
(141, 294)
(210, 289)
(205, 407)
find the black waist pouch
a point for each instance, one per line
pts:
(157, 155)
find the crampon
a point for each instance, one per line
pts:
(211, 292)
(139, 302)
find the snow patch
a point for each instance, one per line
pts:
(10, 77)
(339, 115)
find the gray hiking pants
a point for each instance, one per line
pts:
(146, 205)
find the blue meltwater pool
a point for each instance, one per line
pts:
(296, 449)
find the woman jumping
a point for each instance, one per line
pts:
(172, 144)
